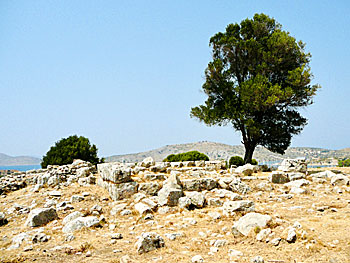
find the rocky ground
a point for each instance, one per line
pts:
(180, 212)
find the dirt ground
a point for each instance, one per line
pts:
(323, 237)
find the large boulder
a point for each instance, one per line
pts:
(250, 221)
(41, 216)
(293, 165)
(197, 199)
(72, 216)
(340, 179)
(246, 169)
(79, 223)
(149, 241)
(279, 178)
(150, 188)
(122, 191)
(171, 191)
(238, 186)
(147, 162)
(114, 172)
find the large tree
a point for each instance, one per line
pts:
(258, 78)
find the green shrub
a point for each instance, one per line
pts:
(236, 160)
(254, 162)
(68, 149)
(187, 156)
(344, 163)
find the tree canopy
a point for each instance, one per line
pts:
(68, 149)
(258, 78)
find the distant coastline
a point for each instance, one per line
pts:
(21, 168)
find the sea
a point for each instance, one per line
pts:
(21, 168)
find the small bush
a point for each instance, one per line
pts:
(187, 156)
(236, 160)
(344, 163)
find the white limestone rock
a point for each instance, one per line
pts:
(250, 221)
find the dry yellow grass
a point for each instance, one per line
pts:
(326, 236)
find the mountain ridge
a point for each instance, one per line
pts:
(217, 151)
(7, 160)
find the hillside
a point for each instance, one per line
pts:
(217, 151)
(6, 160)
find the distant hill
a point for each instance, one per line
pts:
(6, 160)
(220, 151)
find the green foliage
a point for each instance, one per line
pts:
(254, 162)
(188, 156)
(236, 160)
(258, 77)
(68, 149)
(344, 163)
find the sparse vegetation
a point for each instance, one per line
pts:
(187, 156)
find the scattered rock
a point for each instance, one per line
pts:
(79, 223)
(230, 207)
(76, 198)
(171, 192)
(257, 259)
(41, 216)
(293, 165)
(279, 178)
(149, 241)
(246, 169)
(292, 236)
(197, 259)
(250, 221)
(263, 234)
(276, 241)
(3, 220)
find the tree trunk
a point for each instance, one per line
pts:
(249, 150)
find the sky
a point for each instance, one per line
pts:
(125, 74)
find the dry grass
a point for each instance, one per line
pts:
(322, 229)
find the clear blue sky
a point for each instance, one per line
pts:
(126, 73)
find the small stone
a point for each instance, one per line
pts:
(197, 259)
(69, 238)
(55, 193)
(149, 241)
(116, 236)
(276, 241)
(292, 236)
(257, 259)
(125, 259)
(76, 198)
(263, 234)
(28, 248)
(233, 253)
